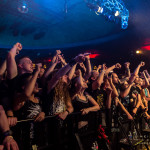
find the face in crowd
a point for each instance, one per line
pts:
(115, 78)
(137, 80)
(42, 70)
(26, 65)
(95, 75)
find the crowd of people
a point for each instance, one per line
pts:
(63, 88)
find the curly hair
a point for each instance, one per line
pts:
(61, 90)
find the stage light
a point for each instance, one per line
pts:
(22, 6)
(117, 13)
(138, 52)
(124, 22)
(109, 8)
(99, 11)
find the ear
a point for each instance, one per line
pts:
(20, 66)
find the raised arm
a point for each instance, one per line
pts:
(95, 106)
(146, 80)
(112, 68)
(31, 83)
(3, 68)
(88, 67)
(147, 74)
(11, 63)
(127, 71)
(114, 90)
(71, 72)
(136, 72)
(97, 83)
(124, 109)
(51, 68)
(126, 91)
(52, 83)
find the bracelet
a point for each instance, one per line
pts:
(7, 133)
(68, 111)
(72, 62)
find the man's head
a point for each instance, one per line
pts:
(42, 70)
(25, 65)
(115, 78)
(94, 75)
(137, 80)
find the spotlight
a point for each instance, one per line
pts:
(22, 6)
(99, 11)
(138, 52)
(117, 13)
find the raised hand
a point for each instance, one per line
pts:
(16, 49)
(87, 55)
(80, 58)
(142, 64)
(58, 52)
(104, 68)
(127, 64)
(118, 66)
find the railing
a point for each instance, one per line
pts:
(54, 133)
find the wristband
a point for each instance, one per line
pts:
(7, 133)
(72, 63)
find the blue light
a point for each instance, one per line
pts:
(22, 6)
(124, 22)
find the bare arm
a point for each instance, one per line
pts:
(50, 70)
(52, 83)
(115, 92)
(112, 68)
(126, 91)
(3, 68)
(95, 106)
(11, 63)
(146, 72)
(88, 68)
(124, 109)
(3, 120)
(71, 72)
(97, 83)
(109, 98)
(136, 72)
(146, 80)
(31, 83)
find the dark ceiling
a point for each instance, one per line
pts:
(70, 24)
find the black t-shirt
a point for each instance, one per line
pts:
(28, 111)
(135, 90)
(99, 95)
